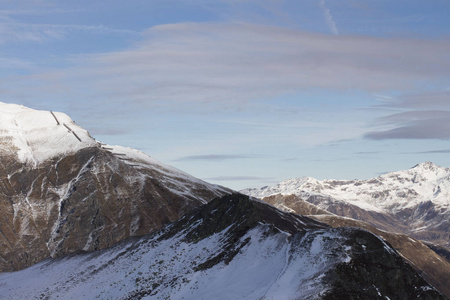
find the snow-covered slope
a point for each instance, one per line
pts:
(61, 191)
(231, 248)
(419, 197)
(39, 135)
(390, 192)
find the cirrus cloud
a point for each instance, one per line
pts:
(232, 63)
(415, 125)
(216, 157)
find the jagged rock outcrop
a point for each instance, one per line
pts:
(61, 191)
(231, 248)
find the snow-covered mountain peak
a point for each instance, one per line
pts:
(428, 165)
(35, 135)
(407, 188)
(286, 187)
(424, 176)
(430, 171)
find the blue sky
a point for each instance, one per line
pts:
(244, 93)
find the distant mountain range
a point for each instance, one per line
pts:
(415, 201)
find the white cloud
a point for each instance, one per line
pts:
(213, 62)
(328, 18)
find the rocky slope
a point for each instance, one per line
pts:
(230, 248)
(61, 191)
(433, 267)
(415, 201)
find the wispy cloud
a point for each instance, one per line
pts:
(415, 125)
(222, 63)
(239, 178)
(13, 30)
(367, 152)
(438, 99)
(442, 151)
(422, 116)
(328, 18)
(290, 159)
(216, 157)
(22, 32)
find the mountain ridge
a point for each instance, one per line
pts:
(230, 248)
(414, 201)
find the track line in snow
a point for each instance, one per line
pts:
(57, 122)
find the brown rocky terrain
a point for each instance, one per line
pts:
(433, 267)
(87, 200)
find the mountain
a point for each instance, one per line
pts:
(421, 257)
(231, 248)
(61, 191)
(415, 201)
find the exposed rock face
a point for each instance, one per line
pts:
(230, 248)
(87, 201)
(80, 195)
(429, 264)
(415, 201)
(434, 268)
(375, 274)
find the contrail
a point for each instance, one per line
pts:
(328, 18)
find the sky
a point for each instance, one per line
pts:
(242, 93)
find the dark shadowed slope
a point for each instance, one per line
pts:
(434, 268)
